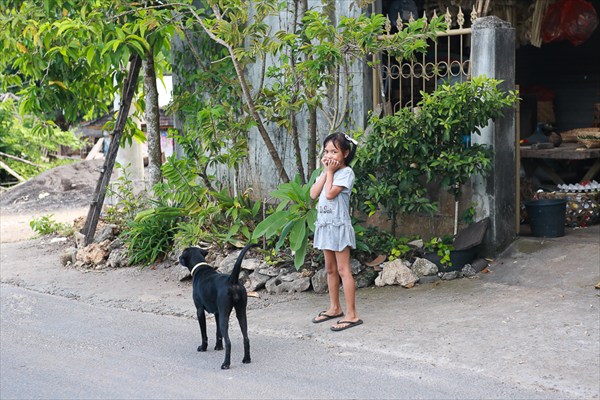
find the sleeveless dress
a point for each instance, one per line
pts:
(333, 228)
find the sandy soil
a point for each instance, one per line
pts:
(63, 192)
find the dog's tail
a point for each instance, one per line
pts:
(235, 273)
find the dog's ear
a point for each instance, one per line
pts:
(204, 252)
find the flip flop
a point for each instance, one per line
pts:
(317, 320)
(347, 324)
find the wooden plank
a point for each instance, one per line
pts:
(566, 151)
(95, 150)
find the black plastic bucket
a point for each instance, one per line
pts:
(547, 217)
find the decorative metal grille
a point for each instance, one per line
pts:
(398, 83)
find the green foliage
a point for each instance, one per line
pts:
(128, 201)
(442, 246)
(150, 235)
(46, 225)
(23, 139)
(409, 150)
(378, 241)
(65, 58)
(293, 219)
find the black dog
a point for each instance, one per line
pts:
(218, 294)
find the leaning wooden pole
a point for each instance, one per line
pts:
(89, 229)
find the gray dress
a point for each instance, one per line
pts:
(333, 228)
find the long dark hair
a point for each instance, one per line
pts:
(341, 141)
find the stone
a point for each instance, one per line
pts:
(319, 281)
(225, 266)
(79, 239)
(424, 280)
(116, 244)
(416, 243)
(270, 271)
(253, 264)
(423, 267)
(181, 273)
(448, 276)
(291, 276)
(94, 253)
(468, 271)
(107, 232)
(277, 285)
(479, 264)
(69, 256)
(118, 259)
(364, 278)
(256, 281)
(356, 266)
(396, 273)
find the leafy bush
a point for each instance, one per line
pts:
(128, 203)
(46, 225)
(293, 219)
(150, 235)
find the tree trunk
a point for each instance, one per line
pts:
(152, 116)
(129, 86)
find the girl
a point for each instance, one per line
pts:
(334, 233)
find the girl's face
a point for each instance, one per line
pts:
(333, 153)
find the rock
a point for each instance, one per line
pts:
(416, 243)
(116, 244)
(118, 258)
(290, 277)
(356, 266)
(107, 232)
(181, 273)
(424, 280)
(364, 278)
(94, 253)
(448, 276)
(277, 285)
(69, 256)
(396, 273)
(252, 264)
(79, 239)
(225, 266)
(423, 267)
(271, 271)
(319, 281)
(468, 271)
(256, 281)
(58, 240)
(479, 264)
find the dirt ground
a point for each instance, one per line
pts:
(63, 192)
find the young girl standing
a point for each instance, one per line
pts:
(334, 233)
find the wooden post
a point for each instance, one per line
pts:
(89, 229)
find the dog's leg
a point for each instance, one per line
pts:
(240, 312)
(224, 325)
(219, 344)
(202, 323)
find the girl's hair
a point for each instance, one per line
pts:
(342, 142)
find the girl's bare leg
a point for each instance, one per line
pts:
(343, 268)
(333, 284)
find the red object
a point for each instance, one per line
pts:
(574, 20)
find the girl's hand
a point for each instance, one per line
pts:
(333, 165)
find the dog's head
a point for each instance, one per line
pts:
(192, 256)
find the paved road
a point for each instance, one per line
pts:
(55, 348)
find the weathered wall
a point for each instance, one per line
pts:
(259, 172)
(493, 55)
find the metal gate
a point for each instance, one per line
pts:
(398, 83)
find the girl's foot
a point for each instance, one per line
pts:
(327, 315)
(341, 325)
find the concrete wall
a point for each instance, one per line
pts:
(493, 55)
(259, 172)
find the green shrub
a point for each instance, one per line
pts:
(46, 225)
